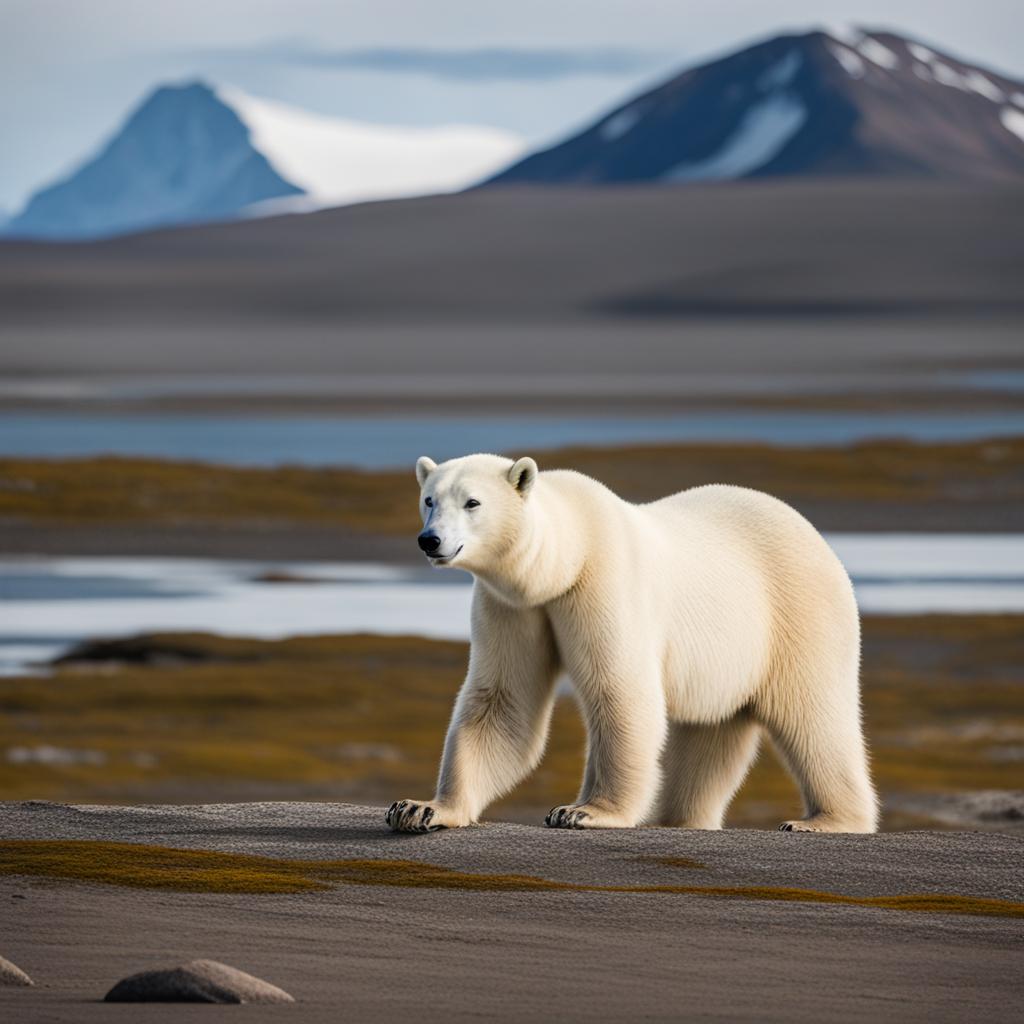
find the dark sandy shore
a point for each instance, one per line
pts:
(626, 298)
(380, 952)
(263, 542)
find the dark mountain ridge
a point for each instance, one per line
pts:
(854, 104)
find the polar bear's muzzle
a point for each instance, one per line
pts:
(445, 559)
(429, 542)
(430, 545)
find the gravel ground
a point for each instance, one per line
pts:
(376, 953)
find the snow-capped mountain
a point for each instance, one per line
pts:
(191, 153)
(824, 103)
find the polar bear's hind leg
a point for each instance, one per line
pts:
(703, 766)
(822, 744)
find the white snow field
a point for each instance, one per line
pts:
(337, 161)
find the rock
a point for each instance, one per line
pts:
(144, 649)
(200, 981)
(11, 975)
(1002, 809)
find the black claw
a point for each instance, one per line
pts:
(559, 817)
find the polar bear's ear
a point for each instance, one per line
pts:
(522, 475)
(424, 467)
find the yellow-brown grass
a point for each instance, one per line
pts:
(362, 718)
(109, 491)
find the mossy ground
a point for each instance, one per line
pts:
(895, 474)
(161, 867)
(362, 718)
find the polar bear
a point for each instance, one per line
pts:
(688, 627)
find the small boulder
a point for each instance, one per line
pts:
(11, 975)
(200, 981)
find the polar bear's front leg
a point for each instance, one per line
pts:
(626, 726)
(500, 723)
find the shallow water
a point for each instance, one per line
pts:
(46, 604)
(388, 441)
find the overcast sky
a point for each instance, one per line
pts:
(71, 69)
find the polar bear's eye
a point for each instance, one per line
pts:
(472, 503)
(429, 502)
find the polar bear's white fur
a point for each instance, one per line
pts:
(688, 626)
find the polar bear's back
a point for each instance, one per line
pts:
(756, 521)
(802, 576)
(761, 580)
(748, 546)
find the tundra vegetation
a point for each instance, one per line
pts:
(874, 485)
(196, 718)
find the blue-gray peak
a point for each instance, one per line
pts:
(183, 156)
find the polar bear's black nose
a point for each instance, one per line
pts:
(428, 542)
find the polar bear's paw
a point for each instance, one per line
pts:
(569, 816)
(822, 823)
(586, 816)
(413, 816)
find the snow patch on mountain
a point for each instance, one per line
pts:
(760, 136)
(851, 63)
(984, 86)
(933, 69)
(781, 73)
(878, 54)
(945, 75)
(843, 32)
(335, 161)
(618, 124)
(1013, 121)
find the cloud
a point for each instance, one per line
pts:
(478, 65)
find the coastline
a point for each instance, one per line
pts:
(142, 506)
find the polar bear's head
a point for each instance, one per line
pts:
(473, 508)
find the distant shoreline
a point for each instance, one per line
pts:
(156, 507)
(272, 543)
(970, 388)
